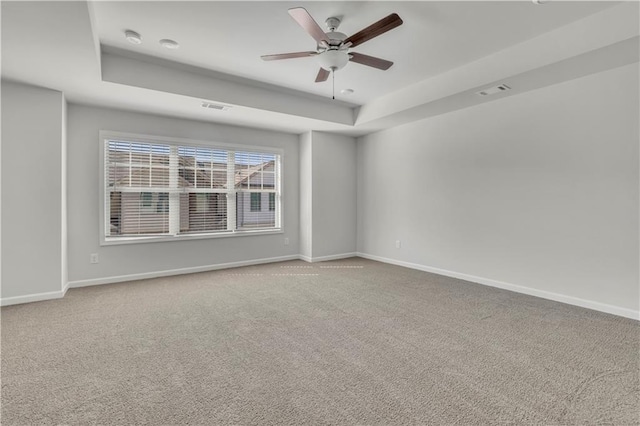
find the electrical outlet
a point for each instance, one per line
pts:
(93, 258)
(286, 241)
(398, 244)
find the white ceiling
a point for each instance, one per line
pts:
(443, 53)
(229, 37)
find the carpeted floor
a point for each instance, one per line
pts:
(343, 342)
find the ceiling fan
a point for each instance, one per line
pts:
(332, 51)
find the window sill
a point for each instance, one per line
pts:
(112, 241)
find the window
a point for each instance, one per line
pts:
(256, 202)
(171, 189)
(202, 202)
(162, 206)
(147, 199)
(272, 201)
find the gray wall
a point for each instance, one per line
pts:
(306, 206)
(33, 192)
(334, 195)
(327, 195)
(538, 190)
(85, 122)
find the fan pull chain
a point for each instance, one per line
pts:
(333, 79)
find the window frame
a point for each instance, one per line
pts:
(106, 135)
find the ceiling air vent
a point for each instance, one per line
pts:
(493, 90)
(218, 107)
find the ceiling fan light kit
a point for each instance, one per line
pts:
(333, 48)
(333, 60)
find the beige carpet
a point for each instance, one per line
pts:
(343, 342)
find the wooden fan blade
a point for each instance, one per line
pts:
(374, 30)
(371, 61)
(302, 17)
(322, 75)
(287, 55)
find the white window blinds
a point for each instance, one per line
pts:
(255, 183)
(165, 189)
(204, 173)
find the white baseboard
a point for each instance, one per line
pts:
(325, 258)
(180, 271)
(156, 274)
(602, 307)
(557, 297)
(38, 297)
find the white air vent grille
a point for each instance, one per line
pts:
(493, 90)
(218, 107)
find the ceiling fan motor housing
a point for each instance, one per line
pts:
(334, 56)
(335, 39)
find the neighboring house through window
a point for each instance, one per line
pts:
(176, 189)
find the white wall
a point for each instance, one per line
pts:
(327, 195)
(538, 190)
(33, 193)
(123, 261)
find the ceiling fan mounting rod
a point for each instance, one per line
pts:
(332, 23)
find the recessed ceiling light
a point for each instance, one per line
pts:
(169, 44)
(539, 1)
(133, 37)
(346, 91)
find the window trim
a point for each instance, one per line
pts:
(105, 240)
